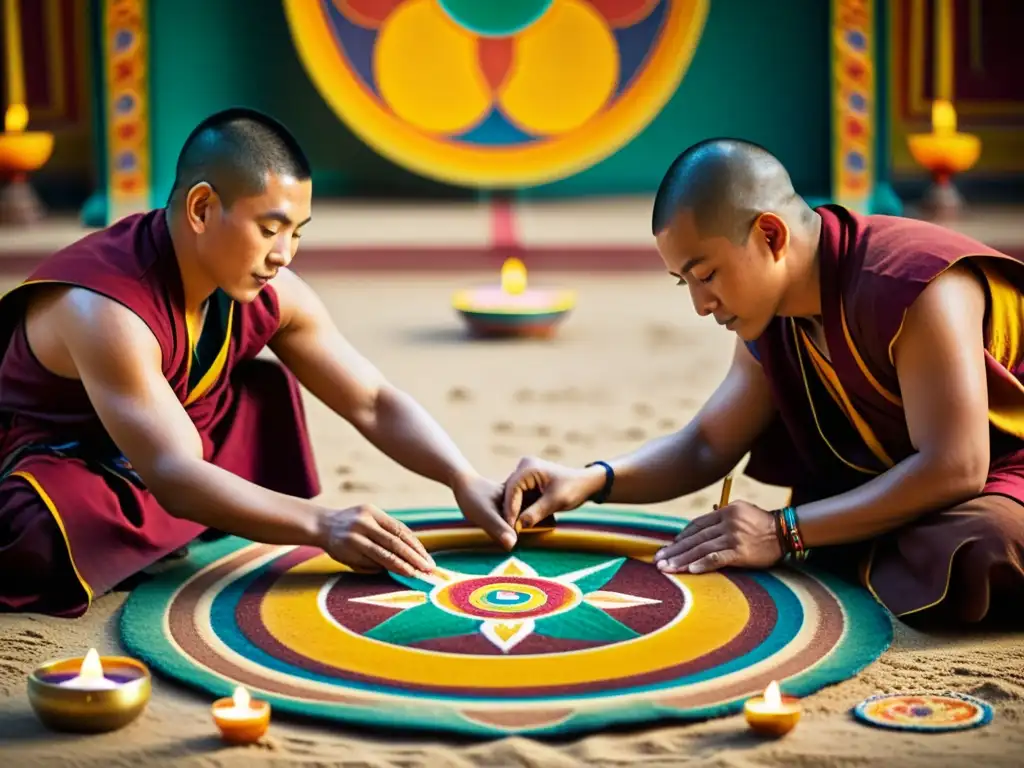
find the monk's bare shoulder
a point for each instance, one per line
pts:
(65, 323)
(954, 298)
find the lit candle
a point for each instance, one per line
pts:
(15, 118)
(943, 117)
(771, 714)
(513, 276)
(241, 720)
(90, 676)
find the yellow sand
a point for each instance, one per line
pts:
(632, 362)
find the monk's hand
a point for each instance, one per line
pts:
(480, 501)
(539, 488)
(739, 534)
(367, 539)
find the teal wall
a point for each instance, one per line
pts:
(761, 72)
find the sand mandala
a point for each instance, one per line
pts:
(572, 631)
(926, 712)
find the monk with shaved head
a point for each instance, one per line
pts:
(878, 372)
(135, 415)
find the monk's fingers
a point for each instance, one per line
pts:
(687, 540)
(700, 523)
(359, 563)
(521, 481)
(397, 536)
(680, 561)
(715, 560)
(396, 545)
(385, 557)
(543, 507)
(512, 502)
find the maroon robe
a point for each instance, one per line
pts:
(841, 420)
(75, 519)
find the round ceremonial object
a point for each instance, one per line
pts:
(572, 631)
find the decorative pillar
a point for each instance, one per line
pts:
(854, 103)
(125, 41)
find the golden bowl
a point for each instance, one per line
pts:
(24, 152)
(71, 709)
(945, 153)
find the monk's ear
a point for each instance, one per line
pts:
(775, 232)
(198, 202)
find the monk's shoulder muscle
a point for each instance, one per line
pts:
(68, 324)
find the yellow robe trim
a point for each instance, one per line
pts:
(29, 478)
(831, 384)
(216, 367)
(1005, 334)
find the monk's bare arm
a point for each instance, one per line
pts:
(706, 449)
(118, 360)
(310, 344)
(940, 363)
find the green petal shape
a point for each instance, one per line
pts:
(584, 623)
(423, 622)
(599, 577)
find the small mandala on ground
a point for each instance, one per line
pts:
(935, 713)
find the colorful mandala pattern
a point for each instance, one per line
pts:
(127, 93)
(573, 631)
(496, 93)
(925, 712)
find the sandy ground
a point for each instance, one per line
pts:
(632, 362)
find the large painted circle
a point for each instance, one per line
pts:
(573, 631)
(527, 93)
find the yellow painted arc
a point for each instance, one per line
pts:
(564, 69)
(718, 613)
(428, 71)
(478, 165)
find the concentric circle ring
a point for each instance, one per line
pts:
(260, 616)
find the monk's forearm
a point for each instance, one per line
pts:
(668, 467)
(403, 430)
(196, 490)
(913, 487)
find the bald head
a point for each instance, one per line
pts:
(235, 152)
(726, 184)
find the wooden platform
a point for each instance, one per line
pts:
(610, 234)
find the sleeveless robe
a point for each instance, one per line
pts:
(841, 420)
(75, 519)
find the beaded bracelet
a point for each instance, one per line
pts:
(787, 529)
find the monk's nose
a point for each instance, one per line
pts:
(703, 302)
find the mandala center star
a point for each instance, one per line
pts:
(506, 598)
(508, 605)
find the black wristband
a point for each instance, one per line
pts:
(609, 480)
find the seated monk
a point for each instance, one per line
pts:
(134, 413)
(877, 373)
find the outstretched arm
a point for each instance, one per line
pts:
(940, 363)
(118, 361)
(704, 451)
(310, 344)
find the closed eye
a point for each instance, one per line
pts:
(709, 278)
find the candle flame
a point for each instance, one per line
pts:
(241, 698)
(772, 696)
(513, 276)
(943, 117)
(92, 668)
(15, 118)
